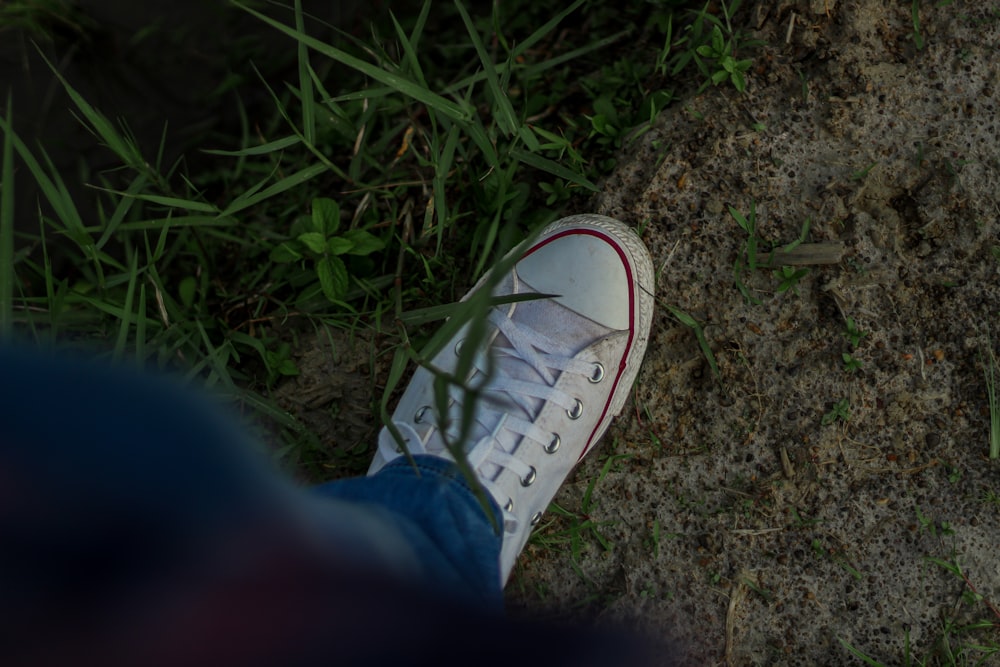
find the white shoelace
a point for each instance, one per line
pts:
(508, 404)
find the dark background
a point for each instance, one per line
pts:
(158, 67)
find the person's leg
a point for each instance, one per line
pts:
(456, 545)
(135, 521)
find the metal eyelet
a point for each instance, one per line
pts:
(535, 518)
(598, 373)
(509, 506)
(418, 416)
(530, 477)
(458, 347)
(553, 445)
(576, 411)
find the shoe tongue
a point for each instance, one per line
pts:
(570, 329)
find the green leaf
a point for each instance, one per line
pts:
(718, 41)
(325, 216)
(332, 277)
(286, 252)
(315, 241)
(288, 367)
(739, 81)
(364, 242)
(339, 245)
(187, 289)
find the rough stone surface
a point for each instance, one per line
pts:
(744, 528)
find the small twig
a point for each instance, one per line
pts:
(735, 598)
(805, 254)
(791, 27)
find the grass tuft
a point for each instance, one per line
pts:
(7, 227)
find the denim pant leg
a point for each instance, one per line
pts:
(104, 468)
(456, 545)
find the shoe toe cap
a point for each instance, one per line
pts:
(588, 270)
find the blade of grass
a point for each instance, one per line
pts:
(61, 203)
(421, 316)
(503, 111)
(988, 360)
(125, 149)
(441, 173)
(554, 168)
(546, 28)
(409, 88)
(858, 654)
(396, 370)
(699, 333)
(285, 184)
(50, 290)
(116, 311)
(125, 323)
(7, 228)
(408, 47)
(172, 202)
(419, 24)
(200, 221)
(531, 71)
(217, 359)
(310, 145)
(305, 81)
(140, 329)
(263, 149)
(124, 206)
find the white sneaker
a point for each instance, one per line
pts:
(562, 369)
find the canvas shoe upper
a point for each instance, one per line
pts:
(561, 369)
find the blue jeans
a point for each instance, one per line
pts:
(139, 525)
(453, 547)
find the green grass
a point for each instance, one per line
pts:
(7, 230)
(988, 361)
(573, 529)
(969, 633)
(387, 174)
(367, 192)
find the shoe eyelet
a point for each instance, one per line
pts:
(576, 411)
(553, 445)
(598, 373)
(458, 347)
(509, 505)
(535, 518)
(529, 479)
(418, 416)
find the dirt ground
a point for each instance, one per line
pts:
(744, 528)
(758, 518)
